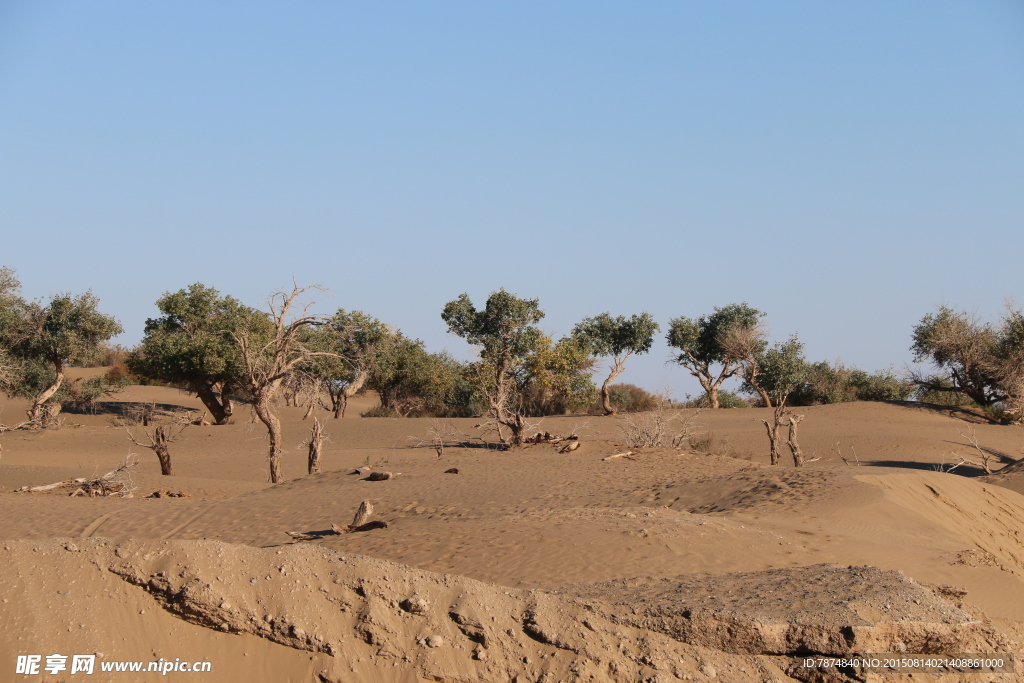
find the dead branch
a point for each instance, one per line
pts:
(618, 455)
(986, 457)
(164, 493)
(361, 521)
(49, 487)
(574, 443)
(363, 514)
(117, 483)
(839, 451)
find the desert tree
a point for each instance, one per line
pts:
(964, 349)
(45, 338)
(783, 370)
(190, 345)
(747, 344)
(354, 340)
(617, 338)
(505, 332)
(11, 310)
(554, 378)
(271, 347)
(411, 381)
(1007, 366)
(700, 345)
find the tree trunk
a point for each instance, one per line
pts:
(225, 399)
(164, 455)
(764, 396)
(37, 413)
(265, 412)
(773, 439)
(713, 396)
(340, 403)
(220, 408)
(349, 391)
(606, 394)
(517, 425)
(309, 409)
(794, 447)
(316, 442)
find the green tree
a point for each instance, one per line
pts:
(355, 339)
(618, 338)
(556, 377)
(702, 345)
(963, 348)
(783, 370)
(190, 345)
(44, 339)
(504, 330)
(12, 307)
(413, 382)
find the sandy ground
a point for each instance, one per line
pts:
(508, 525)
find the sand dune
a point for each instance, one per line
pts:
(505, 531)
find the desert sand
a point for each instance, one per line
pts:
(531, 565)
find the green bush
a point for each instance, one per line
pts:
(726, 399)
(629, 398)
(835, 383)
(380, 411)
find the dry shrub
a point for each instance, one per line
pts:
(663, 426)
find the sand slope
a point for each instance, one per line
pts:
(507, 523)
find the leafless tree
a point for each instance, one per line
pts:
(744, 344)
(161, 436)
(270, 355)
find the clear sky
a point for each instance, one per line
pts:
(844, 166)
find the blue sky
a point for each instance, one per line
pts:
(842, 166)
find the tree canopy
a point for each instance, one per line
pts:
(40, 340)
(190, 345)
(701, 343)
(504, 330)
(619, 338)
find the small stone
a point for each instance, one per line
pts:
(254, 580)
(433, 641)
(225, 627)
(415, 605)
(225, 605)
(480, 655)
(71, 547)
